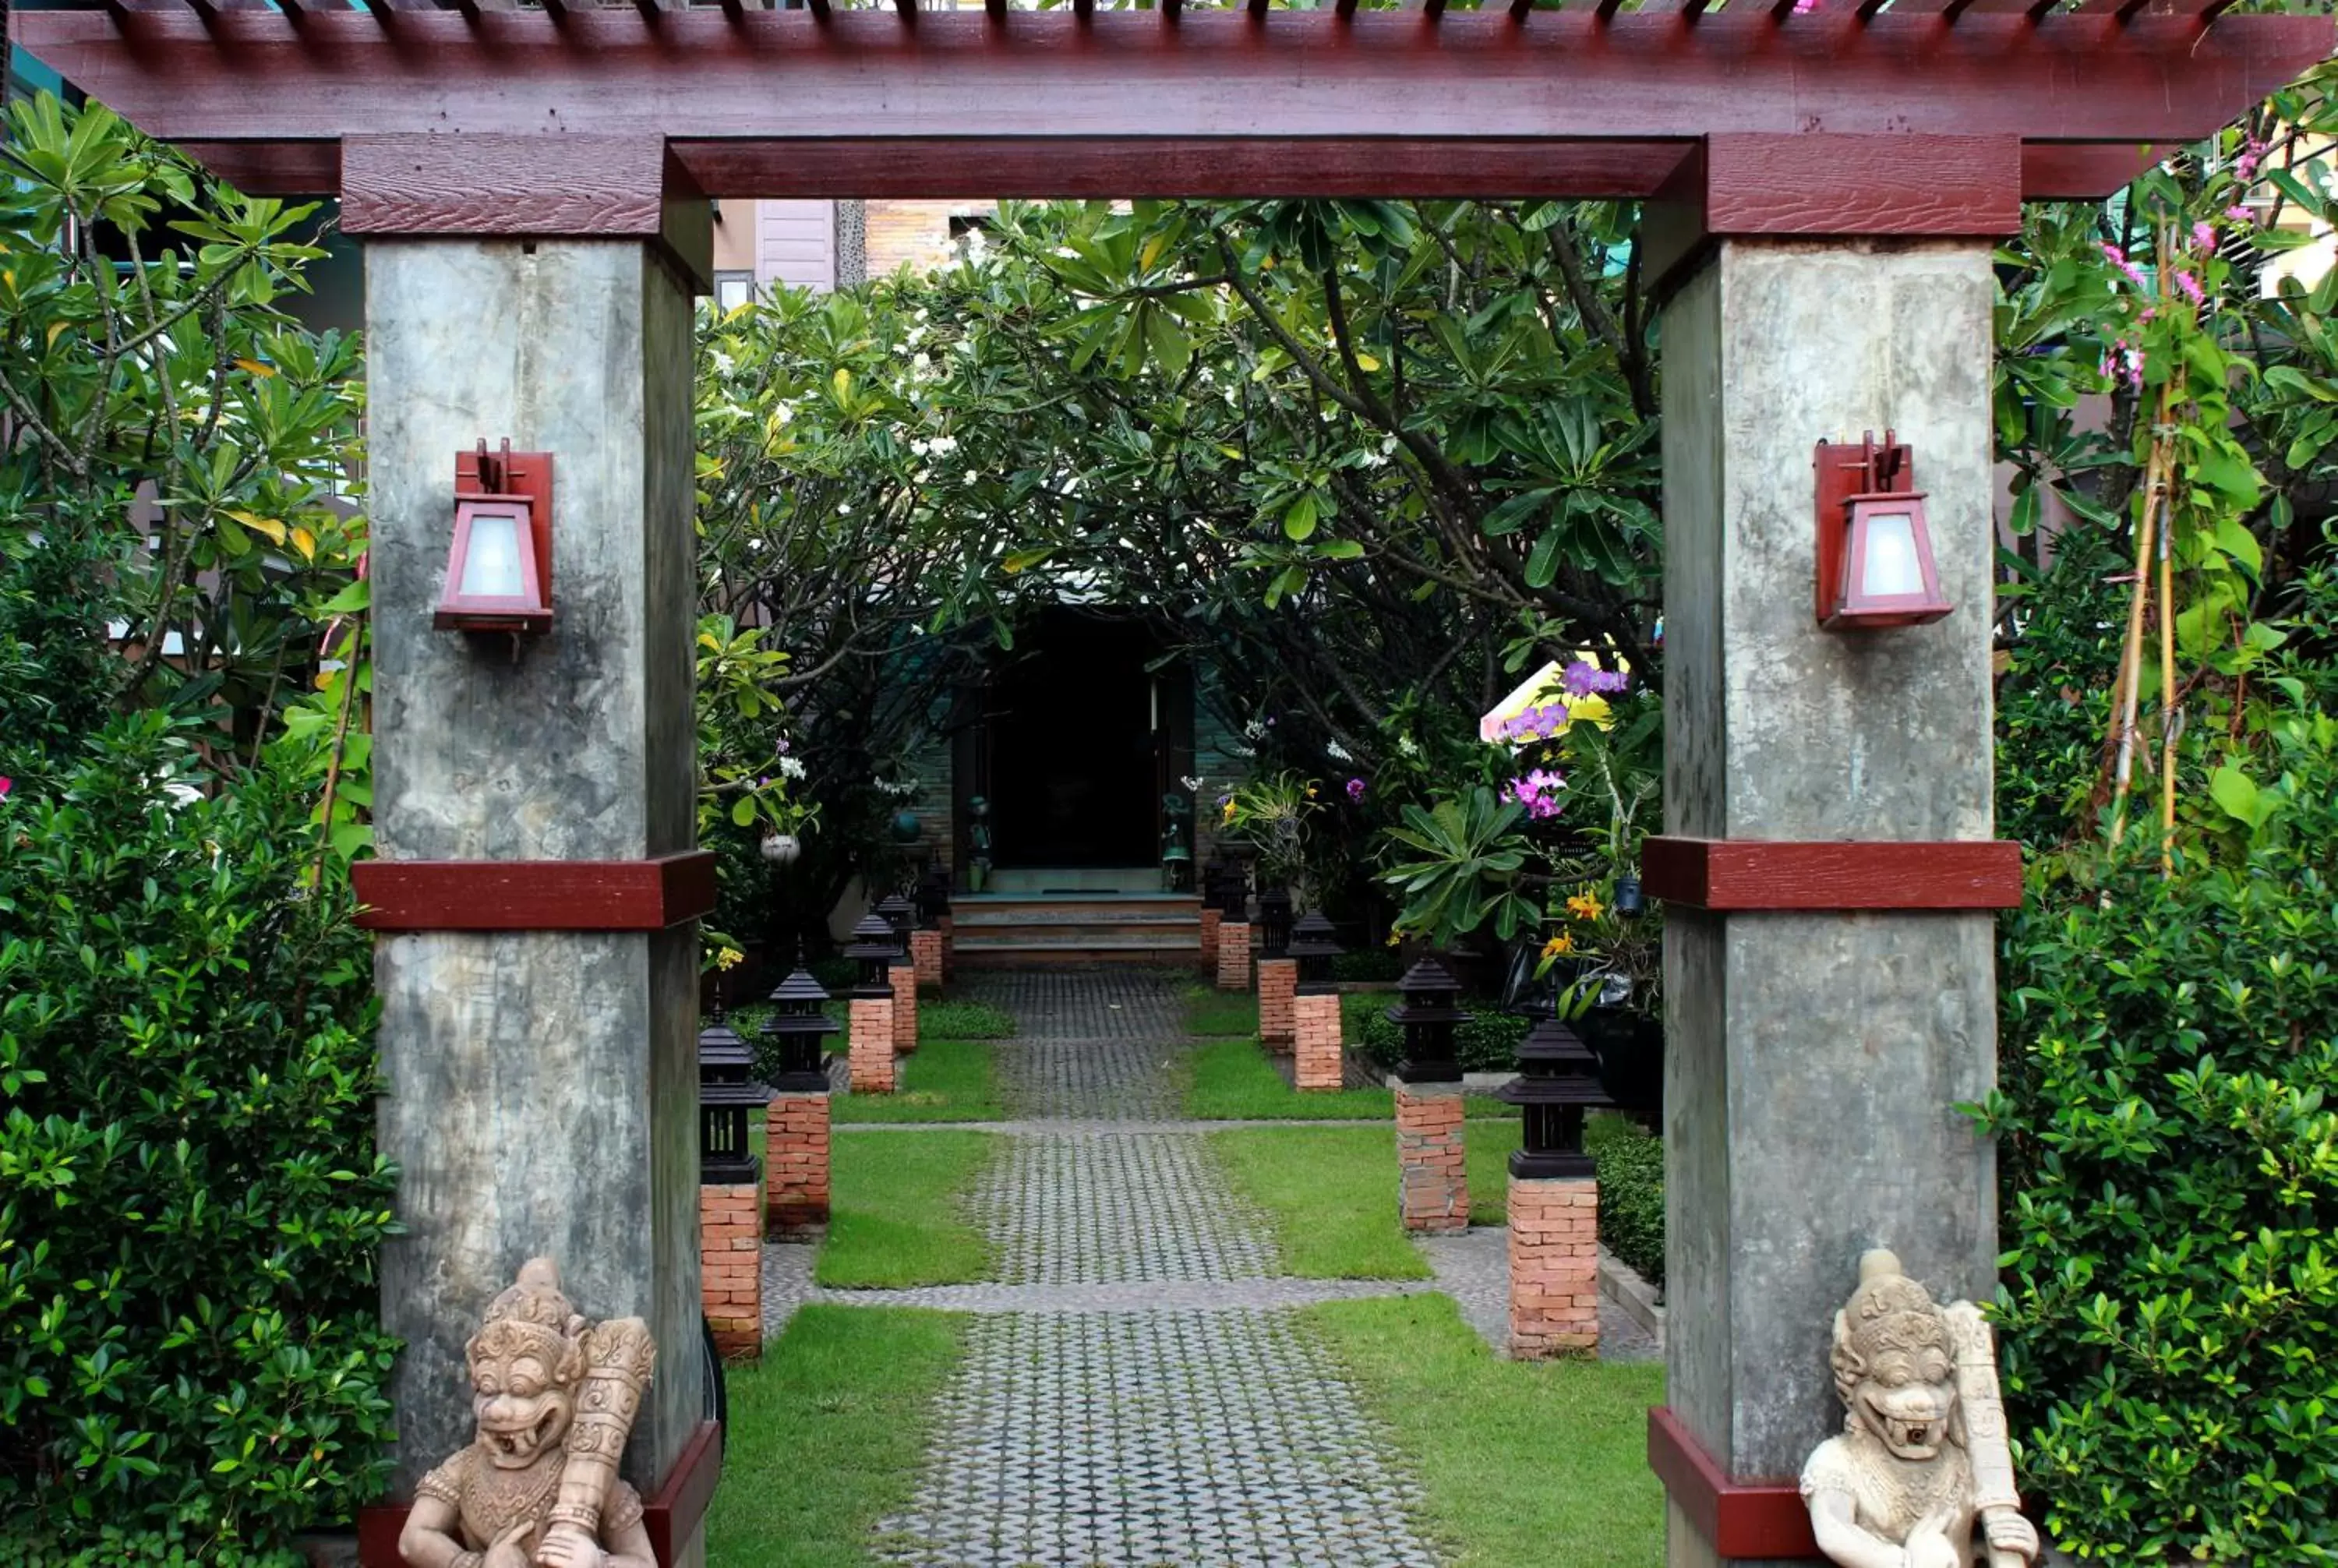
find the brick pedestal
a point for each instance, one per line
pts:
(795, 1161)
(1432, 1175)
(904, 977)
(871, 1055)
(1278, 983)
(1233, 955)
(947, 929)
(926, 956)
(1210, 922)
(731, 1267)
(1317, 1061)
(1554, 1266)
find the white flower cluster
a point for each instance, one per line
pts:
(791, 768)
(1193, 782)
(899, 788)
(1337, 752)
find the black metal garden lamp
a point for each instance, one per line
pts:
(874, 948)
(1557, 1082)
(1234, 894)
(797, 1024)
(1314, 944)
(1214, 882)
(1430, 1014)
(899, 914)
(725, 1094)
(1274, 922)
(933, 895)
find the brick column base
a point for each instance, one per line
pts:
(926, 956)
(1316, 1041)
(871, 1052)
(948, 932)
(1278, 983)
(1210, 919)
(1233, 955)
(1554, 1266)
(905, 1006)
(1432, 1174)
(795, 1161)
(731, 1268)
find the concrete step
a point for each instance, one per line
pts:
(1030, 880)
(992, 954)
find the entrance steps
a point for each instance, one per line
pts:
(1017, 929)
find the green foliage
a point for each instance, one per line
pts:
(1631, 1164)
(1368, 966)
(2169, 1306)
(1467, 868)
(190, 1201)
(1488, 1042)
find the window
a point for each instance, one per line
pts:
(733, 289)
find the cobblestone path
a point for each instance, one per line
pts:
(1133, 1397)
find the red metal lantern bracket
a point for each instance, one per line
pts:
(1845, 470)
(505, 475)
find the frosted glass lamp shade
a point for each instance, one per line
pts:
(496, 579)
(1889, 577)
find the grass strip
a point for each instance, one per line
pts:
(1519, 1461)
(940, 1018)
(1486, 1155)
(1232, 1081)
(897, 1214)
(1328, 1194)
(825, 1435)
(941, 1080)
(1209, 1012)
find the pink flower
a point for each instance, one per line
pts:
(2240, 214)
(2191, 287)
(2203, 235)
(6, 784)
(1356, 790)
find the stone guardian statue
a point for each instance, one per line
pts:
(1923, 1456)
(538, 1487)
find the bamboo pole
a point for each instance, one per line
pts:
(2130, 677)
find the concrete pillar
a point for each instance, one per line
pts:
(796, 1162)
(870, 1053)
(731, 1267)
(1233, 955)
(1318, 1051)
(540, 1086)
(1554, 1225)
(1278, 984)
(904, 977)
(1432, 1168)
(1210, 918)
(925, 956)
(1814, 1059)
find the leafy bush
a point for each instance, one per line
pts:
(1488, 1042)
(189, 1199)
(2169, 1299)
(1631, 1164)
(1368, 965)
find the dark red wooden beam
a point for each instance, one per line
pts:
(1297, 77)
(1737, 1519)
(533, 895)
(1747, 874)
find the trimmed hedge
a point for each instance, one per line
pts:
(1488, 1042)
(1631, 1164)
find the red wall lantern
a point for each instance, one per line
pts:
(1875, 564)
(499, 566)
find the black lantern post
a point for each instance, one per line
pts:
(1214, 882)
(1234, 894)
(1314, 944)
(1428, 1015)
(1557, 1082)
(874, 948)
(899, 913)
(725, 1095)
(797, 1024)
(933, 895)
(1274, 922)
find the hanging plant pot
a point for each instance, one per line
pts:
(905, 827)
(783, 848)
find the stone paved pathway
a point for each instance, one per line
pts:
(1136, 1394)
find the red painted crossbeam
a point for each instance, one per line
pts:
(866, 77)
(1749, 874)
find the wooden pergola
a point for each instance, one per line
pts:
(1826, 180)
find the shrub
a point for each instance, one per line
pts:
(1631, 1164)
(189, 1199)
(1488, 1042)
(2168, 1304)
(1368, 966)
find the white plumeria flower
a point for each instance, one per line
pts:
(791, 768)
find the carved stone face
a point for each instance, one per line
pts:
(521, 1409)
(1906, 1400)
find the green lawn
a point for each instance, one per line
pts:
(1519, 1461)
(940, 1018)
(896, 1212)
(1331, 1193)
(826, 1434)
(1233, 1081)
(1212, 1012)
(941, 1080)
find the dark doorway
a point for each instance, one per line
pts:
(1074, 718)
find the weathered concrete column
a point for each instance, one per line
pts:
(1554, 1225)
(1278, 984)
(796, 1157)
(904, 977)
(1210, 918)
(1233, 955)
(731, 1267)
(1432, 1167)
(1318, 1050)
(540, 1084)
(1814, 1059)
(869, 1051)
